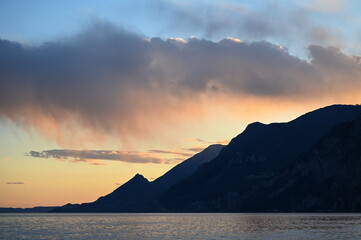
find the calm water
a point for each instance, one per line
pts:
(179, 226)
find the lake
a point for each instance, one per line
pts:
(180, 226)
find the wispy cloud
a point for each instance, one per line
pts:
(328, 6)
(223, 142)
(290, 22)
(90, 155)
(93, 156)
(180, 153)
(17, 183)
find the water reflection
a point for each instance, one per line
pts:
(179, 226)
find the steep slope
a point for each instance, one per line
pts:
(258, 153)
(129, 197)
(327, 178)
(188, 167)
(140, 195)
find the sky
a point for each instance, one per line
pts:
(93, 92)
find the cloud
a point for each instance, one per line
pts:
(180, 153)
(292, 22)
(197, 140)
(90, 155)
(327, 6)
(107, 82)
(17, 183)
(223, 142)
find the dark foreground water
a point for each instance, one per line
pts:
(179, 226)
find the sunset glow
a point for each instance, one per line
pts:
(91, 96)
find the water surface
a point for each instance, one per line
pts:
(180, 226)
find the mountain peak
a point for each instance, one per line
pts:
(255, 125)
(214, 147)
(258, 153)
(138, 177)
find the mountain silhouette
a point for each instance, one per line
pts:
(140, 195)
(312, 163)
(327, 178)
(254, 156)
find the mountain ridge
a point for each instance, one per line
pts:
(260, 151)
(140, 195)
(249, 174)
(327, 178)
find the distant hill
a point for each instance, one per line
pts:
(27, 210)
(252, 158)
(140, 195)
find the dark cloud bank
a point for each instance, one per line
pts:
(117, 82)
